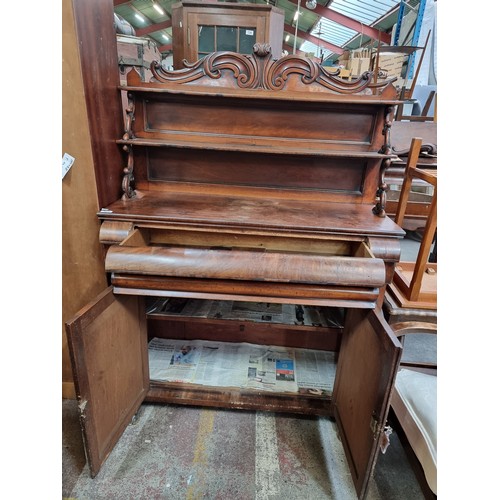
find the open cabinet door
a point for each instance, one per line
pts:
(368, 362)
(108, 347)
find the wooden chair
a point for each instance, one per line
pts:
(402, 134)
(414, 404)
(415, 283)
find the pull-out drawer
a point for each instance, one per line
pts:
(162, 263)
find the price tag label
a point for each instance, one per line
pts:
(67, 162)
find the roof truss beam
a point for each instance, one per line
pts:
(289, 48)
(348, 22)
(154, 27)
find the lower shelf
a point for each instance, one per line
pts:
(241, 355)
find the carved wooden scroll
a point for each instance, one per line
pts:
(128, 174)
(379, 208)
(261, 71)
(128, 171)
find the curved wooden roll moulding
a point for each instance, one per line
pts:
(113, 232)
(327, 273)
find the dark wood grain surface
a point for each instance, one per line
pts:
(292, 216)
(99, 63)
(246, 265)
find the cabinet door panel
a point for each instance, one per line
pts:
(368, 361)
(108, 347)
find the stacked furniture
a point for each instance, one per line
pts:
(245, 178)
(413, 291)
(410, 302)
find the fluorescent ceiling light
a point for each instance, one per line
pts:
(164, 36)
(296, 16)
(158, 9)
(287, 38)
(139, 17)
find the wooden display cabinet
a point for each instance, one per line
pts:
(200, 28)
(246, 179)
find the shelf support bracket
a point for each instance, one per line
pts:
(381, 195)
(128, 171)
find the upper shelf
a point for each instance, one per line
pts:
(157, 88)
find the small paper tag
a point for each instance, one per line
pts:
(67, 162)
(249, 32)
(385, 442)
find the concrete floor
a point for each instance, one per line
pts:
(179, 452)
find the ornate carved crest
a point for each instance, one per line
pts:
(261, 71)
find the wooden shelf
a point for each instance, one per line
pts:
(182, 209)
(255, 144)
(153, 88)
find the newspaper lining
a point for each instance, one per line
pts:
(261, 312)
(242, 365)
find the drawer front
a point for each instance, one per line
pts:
(141, 265)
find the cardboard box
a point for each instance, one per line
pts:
(357, 61)
(344, 57)
(359, 65)
(391, 63)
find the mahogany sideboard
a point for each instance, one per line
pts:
(246, 178)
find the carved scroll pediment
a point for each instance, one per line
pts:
(261, 71)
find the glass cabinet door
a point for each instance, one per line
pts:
(206, 39)
(225, 38)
